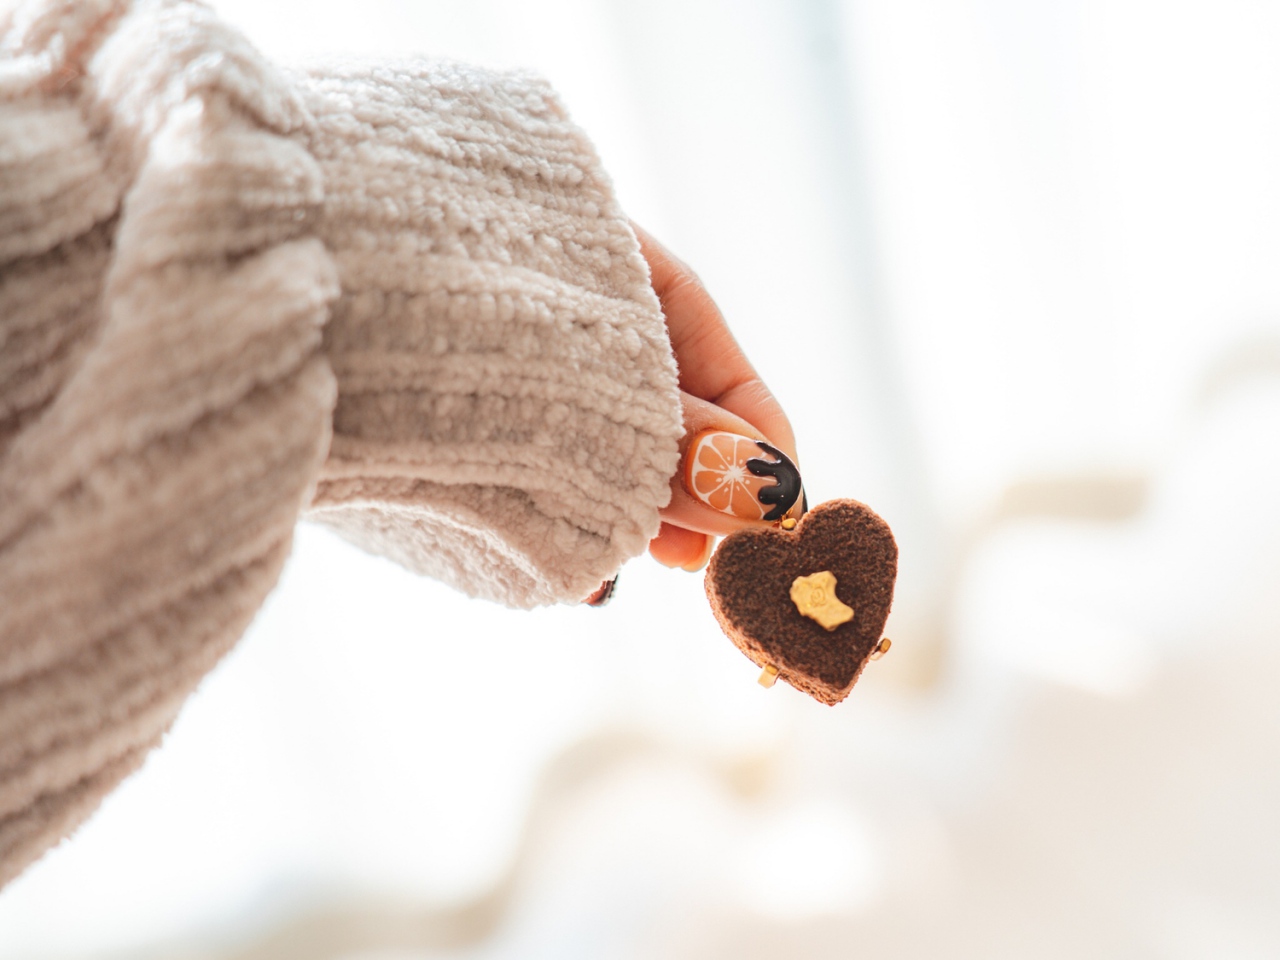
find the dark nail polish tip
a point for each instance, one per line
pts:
(787, 488)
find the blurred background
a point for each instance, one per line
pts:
(1013, 268)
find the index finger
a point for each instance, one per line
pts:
(712, 365)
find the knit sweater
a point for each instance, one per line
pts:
(399, 299)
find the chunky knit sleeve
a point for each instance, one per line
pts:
(401, 300)
(507, 412)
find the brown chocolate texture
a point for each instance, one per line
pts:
(749, 585)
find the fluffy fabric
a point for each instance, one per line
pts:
(398, 297)
(506, 416)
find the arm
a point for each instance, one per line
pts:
(228, 296)
(165, 405)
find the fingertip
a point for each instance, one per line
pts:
(679, 548)
(704, 557)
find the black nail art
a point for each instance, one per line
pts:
(788, 488)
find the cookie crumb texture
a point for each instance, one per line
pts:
(749, 585)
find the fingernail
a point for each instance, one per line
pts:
(603, 594)
(693, 566)
(739, 476)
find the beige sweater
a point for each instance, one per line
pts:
(399, 299)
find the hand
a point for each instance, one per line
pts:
(719, 390)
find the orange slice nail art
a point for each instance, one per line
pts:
(729, 473)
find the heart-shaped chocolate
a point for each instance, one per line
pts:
(752, 585)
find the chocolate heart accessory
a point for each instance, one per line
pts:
(808, 604)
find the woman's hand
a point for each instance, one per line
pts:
(720, 391)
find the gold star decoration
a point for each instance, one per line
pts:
(815, 597)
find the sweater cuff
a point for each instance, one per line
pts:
(508, 412)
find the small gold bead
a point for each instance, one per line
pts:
(769, 676)
(881, 648)
(789, 523)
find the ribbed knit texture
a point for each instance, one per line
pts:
(492, 400)
(505, 417)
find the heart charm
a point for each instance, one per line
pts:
(760, 580)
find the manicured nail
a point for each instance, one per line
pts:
(603, 594)
(693, 566)
(744, 478)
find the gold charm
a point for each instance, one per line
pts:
(815, 597)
